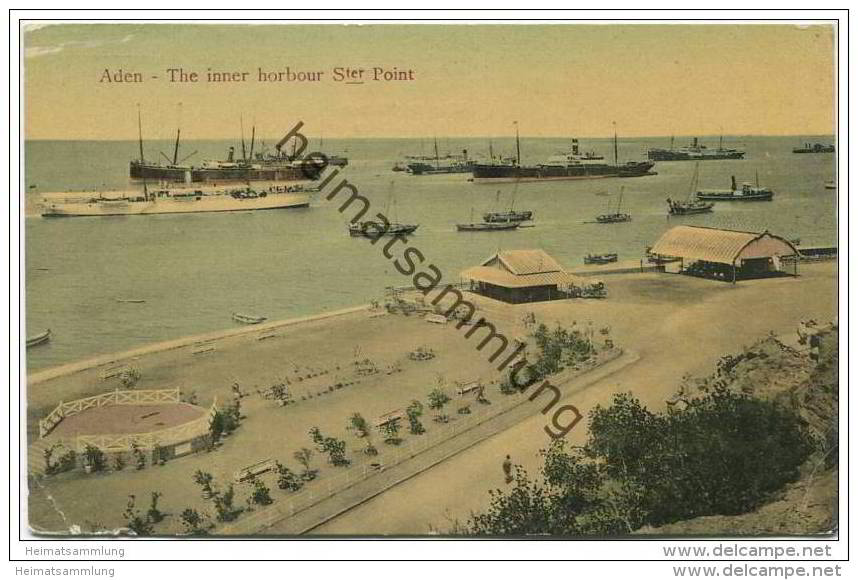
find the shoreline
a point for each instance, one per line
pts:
(67, 369)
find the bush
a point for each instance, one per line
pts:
(724, 454)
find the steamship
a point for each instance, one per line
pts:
(571, 165)
(694, 152)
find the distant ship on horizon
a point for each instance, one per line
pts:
(694, 152)
(564, 166)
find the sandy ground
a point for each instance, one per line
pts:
(118, 419)
(676, 324)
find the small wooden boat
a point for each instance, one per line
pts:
(40, 338)
(830, 185)
(487, 226)
(600, 258)
(130, 300)
(371, 229)
(247, 318)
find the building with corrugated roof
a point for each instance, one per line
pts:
(518, 276)
(726, 254)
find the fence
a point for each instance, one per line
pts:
(63, 410)
(330, 486)
(170, 435)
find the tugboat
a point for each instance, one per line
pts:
(689, 206)
(616, 217)
(571, 165)
(747, 192)
(694, 152)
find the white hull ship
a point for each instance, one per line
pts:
(167, 202)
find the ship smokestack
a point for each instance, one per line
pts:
(694, 142)
(465, 154)
(574, 146)
(231, 154)
(733, 182)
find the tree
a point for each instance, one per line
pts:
(134, 521)
(437, 400)
(154, 514)
(139, 456)
(414, 412)
(224, 505)
(335, 448)
(286, 478)
(358, 425)
(304, 456)
(93, 458)
(260, 495)
(193, 522)
(204, 480)
(390, 429)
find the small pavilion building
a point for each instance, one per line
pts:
(726, 254)
(518, 276)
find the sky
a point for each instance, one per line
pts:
(468, 80)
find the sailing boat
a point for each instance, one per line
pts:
(374, 230)
(616, 217)
(508, 216)
(486, 226)
(690, 206)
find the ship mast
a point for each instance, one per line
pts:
(140, 133)
(252, 140)
(615, 144)
(517, 145)
(243, 149)
(437, 161)
(178, 133)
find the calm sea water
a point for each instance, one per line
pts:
(194, 270)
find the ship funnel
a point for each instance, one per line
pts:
(574, 146)
(465, 154)
(231, 154)
(694, 142)
(733, 182)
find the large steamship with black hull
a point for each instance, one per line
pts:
(277, 166)
(570, 165)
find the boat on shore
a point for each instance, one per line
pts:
(830, 185)
(747, 192)
(694, 152)
(600, 258)
(40, 338)
(690, 206)
(248, 318)
(570, 165)
(167, 201)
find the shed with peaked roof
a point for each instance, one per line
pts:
(726, 254)
(521, 276)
